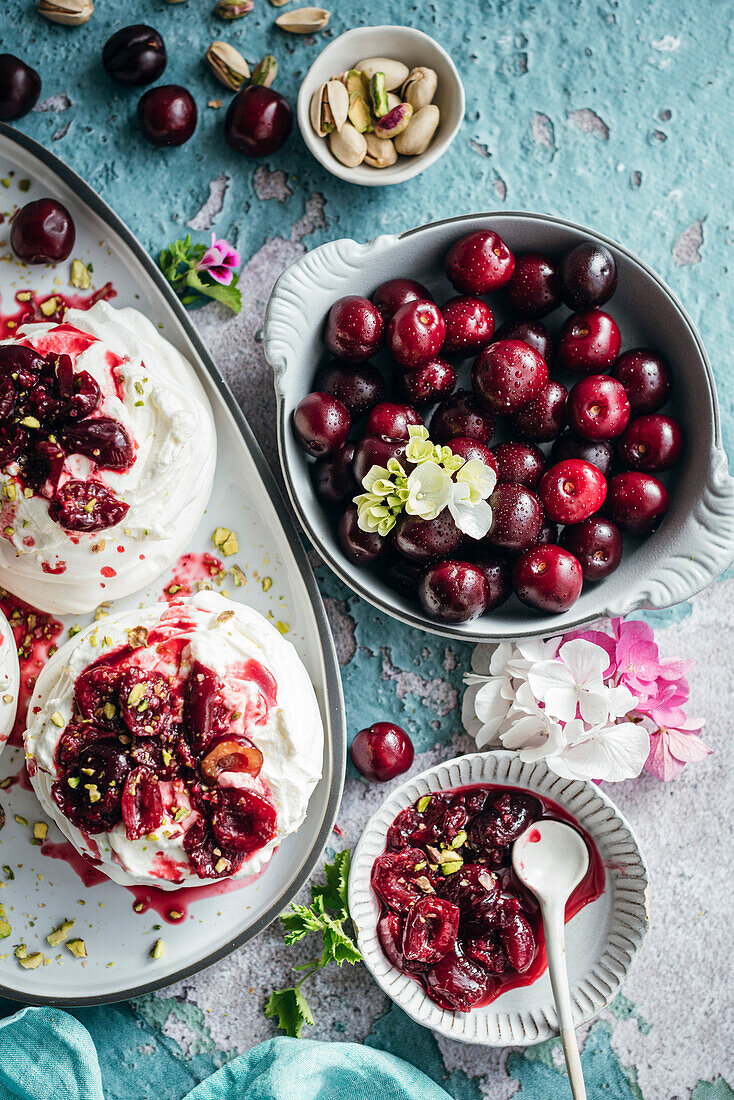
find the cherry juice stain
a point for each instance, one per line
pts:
(534, 837)
(36, 636)
(28, 309)
(84, 868)
(189, 572)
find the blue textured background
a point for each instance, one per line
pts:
(605, 112)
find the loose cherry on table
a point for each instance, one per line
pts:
(393, 294)
(42, 232)
(646, 377)
(637, 502)
(598, 408)
(360, 387)
(391, 419)
(321, 424)
(544, 417)
(534, 333)
(259, 121)
(415, 334)
(497, 570)
(355, 329)
(651, 443)
(167, 115)
(20, 87)
(333, 477)
(517, 518)
(427, 540)
(135, 55)
(534, 289)
(479, 263)
(454, 591)
(507, 375)
(519, 462)
(469, 325)
(548, 578)
(568, 445)
(470, 449)
(382, 751)
(589, 343)
(427, 384)
(461, 414)
(375, 450)
(597, 543)
(588, 276)
(572, 491)
(360, 547)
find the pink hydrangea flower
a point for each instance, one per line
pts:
(637, 659)
(220, 261)
(674, 743)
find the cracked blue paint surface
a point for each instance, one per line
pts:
(603, 111)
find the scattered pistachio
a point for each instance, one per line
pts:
(233, 9)
(265, 71)
(78, 948)
(2, 818)
(34, 960)
(228, 65)
(137, 637)
(450, 868)
(58, 719)
(40, 830)
(380, 152)
(459, 840)
(59, 934)
(156, 951)
(20, 819)
(71, 13)
(80, 276)
(378, 95)
(419, 132)
(303, 20)
(394, 122)
(420, 87)
(225, 541)
(423, 803)
(424, 884)
(395, 72)
(348, 145)
(5, 926)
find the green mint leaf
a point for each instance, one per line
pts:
(292, 1010)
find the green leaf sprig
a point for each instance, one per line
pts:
(178, 262)
(327, 913)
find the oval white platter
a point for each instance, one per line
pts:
(45, 891)
(601, 940)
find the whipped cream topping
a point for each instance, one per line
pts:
(227, 638)
(9, 680)
(150, 389)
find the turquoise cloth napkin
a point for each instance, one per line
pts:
(46, 1054)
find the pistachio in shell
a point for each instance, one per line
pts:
(70, 13)
(394, 122)
(381, 152)
(348, 145)
(303, 20)
(392, 100)
(233, 9)
(265, 71)
(394, 71)
(420, 87)
(418, 134)
(228, 65)
(329, 107)
(360, 115)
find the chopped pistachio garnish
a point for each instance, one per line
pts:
(239, 576)
(5, 783)
(24, 295)
(180, 813)
(9, 491)
(174, 914)
(80, 275)
(451, 866)
(78, 948)
(226, 541)
(282, 627)
(166, 756)
(58, 719)
(137, 637)
(424, 884)
(49, 307)
(32, 961)
(459, 840)
(220, 865)
(94, 795)
(5, 928)
(136, 694)
(139, 906)
(20, 951)
(59, 934)
(73, 781)
(20, 819)
(156, 951)
(110, 710)
(423, 803)
(31, 422)
(74, 630)
(267, 583)
(40, 830)
(8, 872)
(225, 616)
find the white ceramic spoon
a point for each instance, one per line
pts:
(550, 859)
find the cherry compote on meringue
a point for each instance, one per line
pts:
(453, 915)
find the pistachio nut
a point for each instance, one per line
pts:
(395, 72)
(348, 145)
(392, 100)
(233, 9)
(265, 71)
(360, 115)
(394, 122)
(228, 65)
(329, 107)
(70, 13)
(357, 83)
(378, 95)
(303, 20)
(418, 134)
(381, 153)
(420, 87)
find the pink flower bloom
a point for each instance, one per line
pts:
(637, 658)
(220, 260)
(674, 746)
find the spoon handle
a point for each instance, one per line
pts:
(555, 941)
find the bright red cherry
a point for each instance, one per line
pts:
(637, 502)
(416, 333)
(333, 477)
(597, 408)
(646, 377)
(543, 418)
(589, 343)
(548, 578)
(519, 462)
(393, 294)
(469, 325)
(423, 540)
(360, 547)
(382, 751)
(534, 289)
(572, 491)
(355, 329)
(470, 449)
(461, 414)
(517, 517)
(588, 275)
(360, 388)
(569, 445)
(167, 115)
(651, 443)
(42, 232)
(507, 375)
(375, 450)
(453, 591)
(321, 423)
(479, 263)
(597, 543)
(390, 419)
(534, 333)
(258, 121)
(428, 384)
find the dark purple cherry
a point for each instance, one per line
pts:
(21, 364)
(517, 517)
(637, 502)
(393, 294)
(86, 506)
(359, 387)
(403, 576)
(469, 325)
(134, 55)
(534, 333)
(375, 450)
(519, 462)
(424, 540)
(259, 121)
(588, 276)
(20, 87)
(568, 445)
(42, 232)
(13, 441)
(497, 570)
(392, 420)
(646, 377)
(461, 414)
(548, 578)
(333, 477)
(355, 329)
(534, 289)
(167, 115)
(360, 547)
(382, 751)
(597, 543)
(321, 424)
(651, 443)
(543, 418)
(428, 384)
(453, 591)
(470, 449)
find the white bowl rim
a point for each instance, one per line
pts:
(412, 166)
(627, 874)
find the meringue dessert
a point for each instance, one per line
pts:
(107, 456)
(9, 680)
(177, 744)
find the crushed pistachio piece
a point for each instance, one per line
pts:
(49, 307)
(139, 906)
(40, 830)
(239, 576)
(5, 928)
(226, 541)
(31, 422)
(74, 630)
(138, 637)
(166, 755)
(59, 934)
(459, 840)
(136, 694)
(180, 813)
(267, 583)
(174, 914)
(80, 275)
(73, 781)
(20, 951)
(8, 872)
(225, 616)
(58, 719)
(156, 951)
(32, 961)
(424, 884)
(78, 948)
(20, 819)
(423, 803)
(451, 866)
(221, 865)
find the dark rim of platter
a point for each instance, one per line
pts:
(334, 697)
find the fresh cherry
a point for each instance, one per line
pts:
(416, 333)
(479, 263)
(569, 445)
(572, 491)
(403, 576)
(589, 343)
(534, 333)
(517, 517)
(375, 450)
(360, 547)
(651, 443)
(258, 122)
(637, 502)
(453, 591)
(382, 751)
(321, 424)
(393, 294)
(534, 289)
(519, 462)
(134, 55)
(469, 325)
(548, 533)
(359, 387)
(544, 417)
(646, 377)
(507, 375)
(333, 477)
(498, 575)
(598, 408)
(588, 276)
(20, 87)
(461, 414)
(167, 115)
(470, 449)
(392, 420)
(428, 384)
(42, 232)
(597, 543)
(548, 578)
(354, 329)
(423, 540)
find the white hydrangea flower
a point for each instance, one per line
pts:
(481, 479)
(429, 491)
(473, 517)
(610, 751)
(419, 448)
(573, 681)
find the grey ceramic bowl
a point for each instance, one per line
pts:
(695, 542)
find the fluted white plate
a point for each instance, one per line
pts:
(602, 939)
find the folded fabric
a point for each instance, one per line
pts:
(46, 1054)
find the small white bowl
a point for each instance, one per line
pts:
(403, 44)
(601, 940)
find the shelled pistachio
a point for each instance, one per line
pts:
(265, 71)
